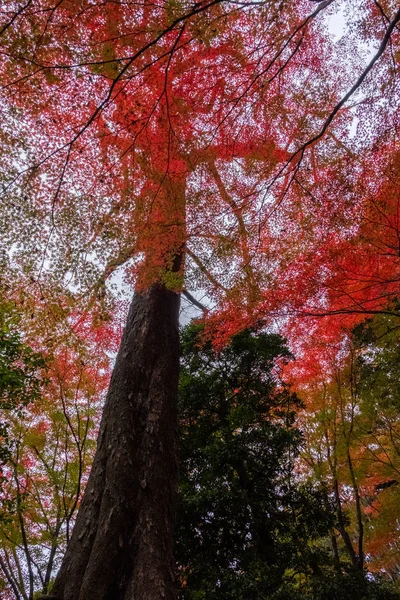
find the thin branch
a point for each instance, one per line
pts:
(204, 270)
(11, 21)
(195, 302)
(299, 153)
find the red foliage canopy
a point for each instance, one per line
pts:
(240, 131)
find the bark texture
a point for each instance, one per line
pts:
(122, 544)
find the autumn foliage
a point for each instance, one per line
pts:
(242, 154)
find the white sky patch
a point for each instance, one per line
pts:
(337, 25)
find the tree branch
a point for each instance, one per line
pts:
(195, 302)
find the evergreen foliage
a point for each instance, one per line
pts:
(20, 374)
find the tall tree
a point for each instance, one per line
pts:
(48, 426)
(21, 378)
(242, 518)
(351, 433)
(133, 110)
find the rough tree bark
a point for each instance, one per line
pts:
(121, 546)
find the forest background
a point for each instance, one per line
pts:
(234, 150)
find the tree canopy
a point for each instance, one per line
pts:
(224, 126)
(242, 154)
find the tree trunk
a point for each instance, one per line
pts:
(122, 544)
